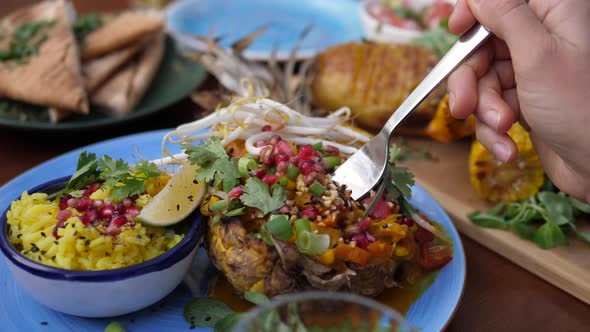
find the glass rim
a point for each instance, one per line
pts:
(284, 299)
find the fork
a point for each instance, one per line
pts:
(365, 168)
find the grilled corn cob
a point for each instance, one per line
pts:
(496, 181)
(445, 128)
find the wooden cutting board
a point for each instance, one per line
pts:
(447, 179)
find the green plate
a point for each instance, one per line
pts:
(175, 79)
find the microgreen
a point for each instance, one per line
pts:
(114, 327)
(257, 195)
(545, 218)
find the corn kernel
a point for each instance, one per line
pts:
(401, 251)
(327, 258)
(258, 286)
(291, 185)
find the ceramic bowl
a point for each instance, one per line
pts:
(385, 33)
(101, 293)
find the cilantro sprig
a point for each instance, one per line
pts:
(257, 195)
(397, 181)
(123, 179)
(545, 218)
(214, 163)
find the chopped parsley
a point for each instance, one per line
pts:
(86, 24)
(26, 40)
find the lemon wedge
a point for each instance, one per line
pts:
(176, 201)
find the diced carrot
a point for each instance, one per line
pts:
(380, 249)
(351, 254)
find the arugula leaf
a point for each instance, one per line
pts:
(550, 235)
(257, 195)
(214, 163)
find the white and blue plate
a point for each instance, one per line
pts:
(431, 312)
(333, 22)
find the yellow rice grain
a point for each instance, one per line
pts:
(30, 228)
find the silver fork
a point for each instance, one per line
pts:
(365, 168)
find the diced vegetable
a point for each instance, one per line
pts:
(279, 226)
(292, 172)
(317, 189)
(330, 162)
(302, 225)
(351, 254)
(247, 164)
(218, 206)
(313, 244)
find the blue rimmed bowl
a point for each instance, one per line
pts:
(102, 293)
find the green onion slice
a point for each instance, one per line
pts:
(302, 225)
(247, 164)
(317, 189)
(218, 206)
(279, 226)
(331, 162)
(313, 244)
(292, 172)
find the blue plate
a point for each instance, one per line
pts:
(431, 312)
(334, 22)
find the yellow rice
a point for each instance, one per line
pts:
(31, 220)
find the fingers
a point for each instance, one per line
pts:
(501, 145)
(461, 18)
(462, 84)
(492, 110)
(514, 22)
(505, 73)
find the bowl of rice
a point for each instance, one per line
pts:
(86, 256)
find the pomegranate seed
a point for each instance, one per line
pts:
(83, 204)
(270, 179)
(127, 202)
(407, 221)
(281, 158)
(306, 152)
(131, 212)
(64, 215)
(60, 224)
(63, 201)
(259, 173)
(310, 213)
(118, 221)
(91, 189)
(98, 203)
(331, 150)
(113, 230)
(106, 213)
(91, 215)
(72, 202)
(295, 160)
(284, 147)
(318, 167)
(306, 168)
(266, 128)
(84, 219)
(423, 236)
(282, 167)
(260, 144)
(364, 225)
(361, 240)
(119, 208)
(237, 191)
(275, 139)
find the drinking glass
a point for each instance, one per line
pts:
(320, 311)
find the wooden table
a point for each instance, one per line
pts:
(499, 296)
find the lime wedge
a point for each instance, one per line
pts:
(176, 201)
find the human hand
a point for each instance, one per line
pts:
(536, 71)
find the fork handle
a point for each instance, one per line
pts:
(462, 49)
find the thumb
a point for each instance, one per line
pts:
(512, 21)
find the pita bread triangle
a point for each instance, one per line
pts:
(52, 77)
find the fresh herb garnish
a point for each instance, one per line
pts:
(214, 163)
(86, 24)
(26, 40)
(397, 181)
(114, 327)
(123, 179)
(545, 218)
(257, 195)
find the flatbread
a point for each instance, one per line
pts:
(96, 71)
(121, 93)
(121, 31)
(53, 76)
